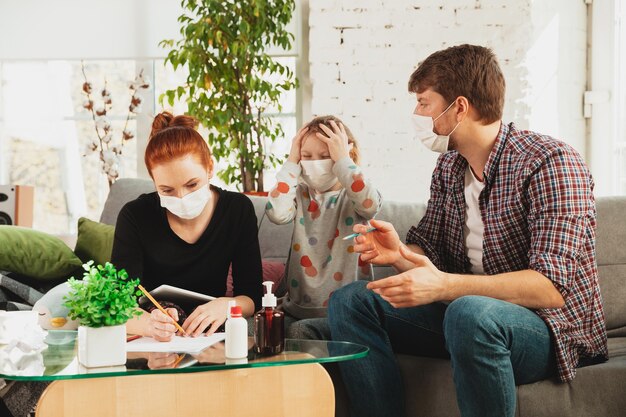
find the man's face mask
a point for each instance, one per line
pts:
(190, 206)
(424, 131)
(319, 174)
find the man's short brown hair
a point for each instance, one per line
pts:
(466, 70)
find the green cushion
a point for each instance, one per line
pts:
(35, 254)
(95, 241)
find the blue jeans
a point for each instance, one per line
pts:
(493, 346)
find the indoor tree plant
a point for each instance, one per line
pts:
(102, 302)
(232, 80)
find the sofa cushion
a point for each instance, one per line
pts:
(611, 257)
(121, 192)
(272, 271)
(95, 241)
(36, 254)
(274, 240)
(596, 391)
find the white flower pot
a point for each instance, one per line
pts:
(102, 346)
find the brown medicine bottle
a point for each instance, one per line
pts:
(269, 325)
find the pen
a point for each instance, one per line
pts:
(132, 337)
(178, 360)
(157, 305)
(353, 235)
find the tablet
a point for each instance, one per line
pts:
(177, 295)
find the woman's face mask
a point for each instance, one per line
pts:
(318, 174)
(424, 131)
(189, 206)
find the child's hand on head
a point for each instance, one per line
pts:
(296, 145)
(336, 140)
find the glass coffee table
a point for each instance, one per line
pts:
(207, 384)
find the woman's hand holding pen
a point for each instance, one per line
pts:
(160, 326)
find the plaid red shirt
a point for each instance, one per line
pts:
(539, 213)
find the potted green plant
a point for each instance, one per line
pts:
(233, 81)
(102, 303)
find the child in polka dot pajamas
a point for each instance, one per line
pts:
(324, 192)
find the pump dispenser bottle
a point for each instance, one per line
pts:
(269, 325)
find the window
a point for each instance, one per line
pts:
(43, 127)
(44, 131)
(605, 103)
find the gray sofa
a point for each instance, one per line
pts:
(598, 390)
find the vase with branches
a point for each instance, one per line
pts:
(108, 149)
(233, 81)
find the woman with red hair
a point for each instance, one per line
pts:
(188, 233)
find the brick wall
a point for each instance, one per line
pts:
(361, 53)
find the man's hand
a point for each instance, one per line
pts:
(336, 140)
(421, 285)
(296, 145)
(380, 247)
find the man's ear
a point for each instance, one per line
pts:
(463, 106)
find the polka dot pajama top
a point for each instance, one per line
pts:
(320, 262)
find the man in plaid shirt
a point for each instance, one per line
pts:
(500, 274)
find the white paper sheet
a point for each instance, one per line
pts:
(177, 344)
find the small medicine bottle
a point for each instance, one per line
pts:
(236, 335)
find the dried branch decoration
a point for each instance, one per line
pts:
(110, 151)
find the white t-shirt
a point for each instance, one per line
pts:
(474, 227)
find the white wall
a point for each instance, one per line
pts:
(89, 29)
(86, 29)
(362, 52)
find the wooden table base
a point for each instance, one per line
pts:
(295, 390)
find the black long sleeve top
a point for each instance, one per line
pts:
(148, 248)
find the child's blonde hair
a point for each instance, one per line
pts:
(313, 126)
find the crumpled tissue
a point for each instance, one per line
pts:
(23, 341)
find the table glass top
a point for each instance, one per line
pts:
(60, 360)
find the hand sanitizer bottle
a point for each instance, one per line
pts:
(236, 335)
(269, 325)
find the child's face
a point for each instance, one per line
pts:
(313, 149)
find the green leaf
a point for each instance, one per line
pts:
(105, 296)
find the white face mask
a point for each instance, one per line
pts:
(424, 131)
(319, 174)
(190, 206)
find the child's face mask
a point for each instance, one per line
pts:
(318, 174)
